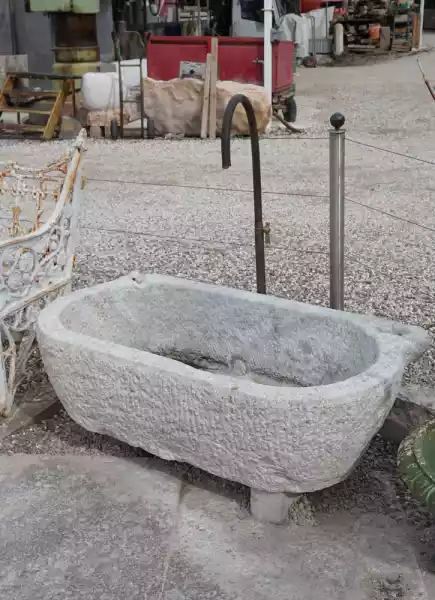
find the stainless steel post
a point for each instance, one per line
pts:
(336, 211)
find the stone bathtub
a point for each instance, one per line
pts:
(281, 396)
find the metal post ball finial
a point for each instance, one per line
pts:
(337, 120)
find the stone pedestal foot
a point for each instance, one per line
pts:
(271, 507)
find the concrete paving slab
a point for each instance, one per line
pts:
(83, 528)
(344, 556)
(93, 527)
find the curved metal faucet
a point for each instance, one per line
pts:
(260, 229)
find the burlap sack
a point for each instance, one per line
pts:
(176, 105)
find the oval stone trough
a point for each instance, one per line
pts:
(281, 396)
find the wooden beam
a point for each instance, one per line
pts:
(206, 99)
(7, 89)
(213, 81)
(56, 112)
(416, 31)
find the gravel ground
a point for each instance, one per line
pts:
(168, 207)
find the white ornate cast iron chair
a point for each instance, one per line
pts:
(39, 210)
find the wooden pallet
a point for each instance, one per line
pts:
(13, 97)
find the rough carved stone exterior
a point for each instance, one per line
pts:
(275, 394)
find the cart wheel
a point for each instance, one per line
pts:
(151, 129)
(114, 129)
(291, 112)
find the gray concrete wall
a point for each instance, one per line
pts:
(34, 38)
(6, 44)
(104, 30)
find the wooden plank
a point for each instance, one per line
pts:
(20, 128)
(56, 113)
(7, 88)
(24, 109)
(49, 76)
(213, 81)
(32, 94)
(416, 31)
(206, 99)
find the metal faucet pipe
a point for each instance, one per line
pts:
(260, 230)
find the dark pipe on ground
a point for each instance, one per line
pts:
(260, 230)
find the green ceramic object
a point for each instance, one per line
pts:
(416, 460)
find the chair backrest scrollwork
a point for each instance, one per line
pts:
(38, 225)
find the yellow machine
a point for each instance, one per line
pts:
(76, 49)
(76, 52)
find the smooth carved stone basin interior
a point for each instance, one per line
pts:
(226, 336)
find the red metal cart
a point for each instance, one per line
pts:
(239, 59)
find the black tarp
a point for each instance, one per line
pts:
(252, 10)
